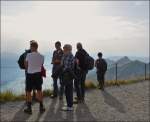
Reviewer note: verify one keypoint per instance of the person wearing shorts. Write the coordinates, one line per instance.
(33, 64)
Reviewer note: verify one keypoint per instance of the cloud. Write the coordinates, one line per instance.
(71, 23)
(140, 3)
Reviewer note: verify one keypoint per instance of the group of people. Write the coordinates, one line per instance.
(70, 70)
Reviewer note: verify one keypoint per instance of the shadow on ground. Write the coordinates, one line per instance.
(54, 113)
(81, 113)
(20, 116)
(113, 102)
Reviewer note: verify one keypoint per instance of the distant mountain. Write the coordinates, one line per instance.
(123, 61)
(110, 62)
(133, 58)
(130, 70)
(142, 59)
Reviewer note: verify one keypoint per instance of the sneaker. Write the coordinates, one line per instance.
(53, 96)
(28, 110)
(42, 109)
(65, 108)
(65, 104)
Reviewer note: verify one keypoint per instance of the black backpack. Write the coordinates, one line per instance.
(22, 58)
(101, 65)
(89, 62)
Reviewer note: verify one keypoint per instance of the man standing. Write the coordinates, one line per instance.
(101, 67)
(56, 61)
(22, 65)
(81, 72)
(33, 64)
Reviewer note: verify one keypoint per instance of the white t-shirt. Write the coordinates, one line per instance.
(35, 61)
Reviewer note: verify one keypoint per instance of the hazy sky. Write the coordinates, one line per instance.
(113, 27)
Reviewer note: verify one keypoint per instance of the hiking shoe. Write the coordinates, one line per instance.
(77, 101)
(65, 108)
(99, 87)
(82, 100)
(28, 110)
(60, 97)
(42, 109)
(76, 98)
(102, 88)
(53, 96)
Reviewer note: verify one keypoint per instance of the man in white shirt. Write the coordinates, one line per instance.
(33, 63)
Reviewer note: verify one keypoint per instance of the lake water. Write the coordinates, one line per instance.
(13, 79)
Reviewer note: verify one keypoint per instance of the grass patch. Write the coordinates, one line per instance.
(10, 96)
(93, 85)
(90, 85)
(47, 93)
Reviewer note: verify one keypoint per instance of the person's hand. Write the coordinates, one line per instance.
(57, 61)
(77, 61)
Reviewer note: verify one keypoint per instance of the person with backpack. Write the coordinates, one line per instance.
(21, 64)
(101, 66)
(68, 76)
(56, 70)
(33, 63)
(81, 69)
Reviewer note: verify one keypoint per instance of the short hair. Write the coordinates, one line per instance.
(31, 41)
(68, 47)
(58, 43)
(100, 54)
(79, 45)
(34, 44)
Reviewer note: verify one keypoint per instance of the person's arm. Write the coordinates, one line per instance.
(52, 62)
(43, 61)
(77, 57)
(96, 63)
(26, 62)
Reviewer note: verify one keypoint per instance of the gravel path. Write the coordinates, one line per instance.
(123, 103)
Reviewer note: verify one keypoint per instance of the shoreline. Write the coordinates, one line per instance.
(10, 96)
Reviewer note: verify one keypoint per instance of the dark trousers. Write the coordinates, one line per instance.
(80, 84)
(77, 88)
(83, 77)
(101, 79)
(69, 94)
(55, 84)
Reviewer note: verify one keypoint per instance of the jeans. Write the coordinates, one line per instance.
(69, 94)
(80, 84)
(55, 85)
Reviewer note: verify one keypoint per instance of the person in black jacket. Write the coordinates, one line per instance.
(101, 67)
(81, 72)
